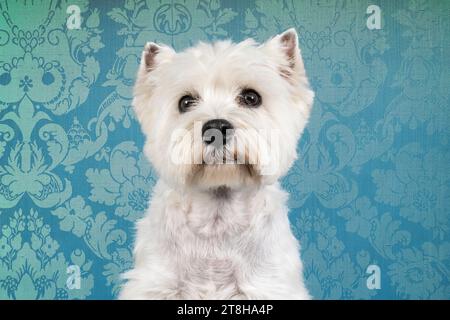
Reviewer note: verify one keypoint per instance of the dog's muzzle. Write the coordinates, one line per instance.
(217, 132)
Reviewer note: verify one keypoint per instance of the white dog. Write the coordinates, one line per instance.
(219, 229)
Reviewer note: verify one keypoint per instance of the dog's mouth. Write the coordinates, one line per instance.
(225, 156)
(232, 165)
(229, 175)
(224, 168)
(226, 160)
(251, 169)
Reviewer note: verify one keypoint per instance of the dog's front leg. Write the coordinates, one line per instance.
(147, 284)
(135, 291)
(267, 291)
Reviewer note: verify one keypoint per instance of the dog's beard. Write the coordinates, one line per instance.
(240, 161)
(225, 166)
(217, 156)
(234, 164)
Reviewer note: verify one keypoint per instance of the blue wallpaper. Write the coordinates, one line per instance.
(370, 189)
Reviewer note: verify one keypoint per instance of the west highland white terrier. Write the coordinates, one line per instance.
(222, 122)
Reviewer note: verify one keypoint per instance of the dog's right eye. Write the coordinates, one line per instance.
(250, 98)
(186, 102)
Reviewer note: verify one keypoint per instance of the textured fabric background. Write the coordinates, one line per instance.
(371, 186)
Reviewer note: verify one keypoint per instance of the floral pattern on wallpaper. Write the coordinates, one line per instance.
(370, 187)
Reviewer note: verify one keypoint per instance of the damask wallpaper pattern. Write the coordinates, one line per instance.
(371, 186)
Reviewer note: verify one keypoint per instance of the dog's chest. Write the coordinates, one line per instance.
(211, 277)
(217, 218)
(213, 258)
(215, 269)
(216, 246)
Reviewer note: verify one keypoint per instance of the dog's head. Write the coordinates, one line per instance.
(223, 114)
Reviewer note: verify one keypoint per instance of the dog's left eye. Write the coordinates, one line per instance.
(250, 98)
(185, 103)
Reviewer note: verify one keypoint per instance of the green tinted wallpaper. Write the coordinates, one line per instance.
(369, 194)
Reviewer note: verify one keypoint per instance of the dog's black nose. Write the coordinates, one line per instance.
(216, 129)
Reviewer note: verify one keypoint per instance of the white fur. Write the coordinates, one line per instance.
(219, 231)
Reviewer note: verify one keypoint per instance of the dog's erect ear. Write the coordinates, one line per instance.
(151, 49)
(284, 51)
(153, 55)
(289, 45)
(284, 48)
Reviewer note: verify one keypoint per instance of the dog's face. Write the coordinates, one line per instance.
(223, 114)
